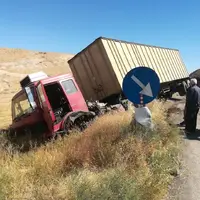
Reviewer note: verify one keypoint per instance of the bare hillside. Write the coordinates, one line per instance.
(16, 63)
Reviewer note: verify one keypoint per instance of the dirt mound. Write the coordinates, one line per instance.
(13, 60)
(17, 63)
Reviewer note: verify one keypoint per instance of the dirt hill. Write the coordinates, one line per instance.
(16, 63)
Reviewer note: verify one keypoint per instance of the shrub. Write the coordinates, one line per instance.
(110, 160)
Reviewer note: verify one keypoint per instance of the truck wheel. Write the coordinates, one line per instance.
(183, 89)
(81, 125)
(168, 95)
(67, 127)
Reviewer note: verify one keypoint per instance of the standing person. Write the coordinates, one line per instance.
(182, 124)
(192, 106)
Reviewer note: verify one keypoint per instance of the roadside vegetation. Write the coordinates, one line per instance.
(113, 159)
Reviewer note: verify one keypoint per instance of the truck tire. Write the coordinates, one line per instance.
(67, 126)
(183, 89)
(169, 95)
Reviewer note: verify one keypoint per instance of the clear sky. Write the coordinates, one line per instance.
(68, 26)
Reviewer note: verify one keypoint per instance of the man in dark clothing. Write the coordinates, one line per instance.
(187, 85)
(192, 106)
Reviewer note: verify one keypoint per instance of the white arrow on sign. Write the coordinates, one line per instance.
(146, 90)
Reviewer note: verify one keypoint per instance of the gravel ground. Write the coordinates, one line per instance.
(187, 185)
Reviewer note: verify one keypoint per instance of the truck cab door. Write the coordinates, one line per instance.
(74, 95)
(47, 112)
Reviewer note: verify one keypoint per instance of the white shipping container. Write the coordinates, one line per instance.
(99, 69)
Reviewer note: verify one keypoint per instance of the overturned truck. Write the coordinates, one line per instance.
(99, 69)
(55, 105)
(49, 106)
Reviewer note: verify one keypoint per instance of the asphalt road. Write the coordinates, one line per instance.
(187, 185)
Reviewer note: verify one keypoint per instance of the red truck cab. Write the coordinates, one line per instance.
(48, 104)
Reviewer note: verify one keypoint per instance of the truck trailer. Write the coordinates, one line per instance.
(99, 69)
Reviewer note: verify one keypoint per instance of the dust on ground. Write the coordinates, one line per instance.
(186, 185)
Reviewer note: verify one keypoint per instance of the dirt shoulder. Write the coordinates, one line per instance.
(187, 185)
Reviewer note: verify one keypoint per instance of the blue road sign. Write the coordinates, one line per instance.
(141, 85)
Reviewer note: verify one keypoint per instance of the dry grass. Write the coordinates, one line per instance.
(111, 160)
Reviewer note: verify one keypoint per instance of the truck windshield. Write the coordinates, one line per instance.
(24, 103)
